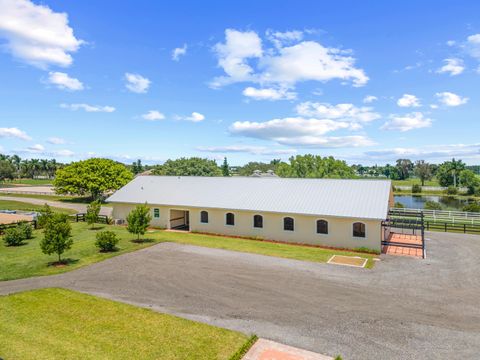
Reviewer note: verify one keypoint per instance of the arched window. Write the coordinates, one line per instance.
(230, 219)
(258, 221)
(288, 224)
(322, 227)
(359, 229)
(204, 217)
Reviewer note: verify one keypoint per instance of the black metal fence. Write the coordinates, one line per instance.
(449, 227)
(101, 219)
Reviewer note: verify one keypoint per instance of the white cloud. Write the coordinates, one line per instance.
(344, 112)
(438, 152)
(282, 65)
(309, 60)
(451, 42)
(369, 99)
(249, 149)
(473, 46)
(451, 99)
(408, 100)
(269, 94)
(88, 108)
(433, 106)
(137, 83)
(36, 34)
(233, 54)
(56, 140)
(280, 39)
(37, 148)
(153, 115)
(452, 66)
(415, 120)
(180, 51)
(299, 132)
(194, 117)
(64, 81)
(14, 132)
(64, 153)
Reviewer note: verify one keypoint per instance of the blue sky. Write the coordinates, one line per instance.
(368, 82)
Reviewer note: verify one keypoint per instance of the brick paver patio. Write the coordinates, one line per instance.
(270, 350)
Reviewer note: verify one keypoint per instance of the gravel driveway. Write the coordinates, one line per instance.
(402, 309)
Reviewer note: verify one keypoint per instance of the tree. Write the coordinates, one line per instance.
(447, 173)
(250, 167)
(225, 167)
(193, 166)
(57, 236)
(46, 214)
(314, 166)
(7, 170)
(423, 171)
(93, 210)
(404, 167)
(470, 181)
(93, 177)
(137, 167)
(138, 220)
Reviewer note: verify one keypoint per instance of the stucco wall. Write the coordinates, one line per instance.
(340, 229)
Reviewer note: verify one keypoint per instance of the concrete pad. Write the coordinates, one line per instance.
(270, 350)
(354, 261)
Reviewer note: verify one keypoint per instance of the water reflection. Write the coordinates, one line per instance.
(418, 201)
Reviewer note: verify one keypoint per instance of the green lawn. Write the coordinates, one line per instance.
(18, 205)
(289, 251)
(61, 198)
(28, 260)
(412, 181)
(61, 324)
(30, 182)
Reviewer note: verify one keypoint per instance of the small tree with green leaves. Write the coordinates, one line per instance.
(57, 236)
(138, 220)
(93, 210)
(45, 215)
(225, 167)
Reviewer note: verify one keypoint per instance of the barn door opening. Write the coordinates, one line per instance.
(180, 220)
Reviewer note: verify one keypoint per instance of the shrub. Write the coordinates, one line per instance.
(13, 236)
(26, 229)
(416, 189)
(398, 205)
(106, 241)
(473, 207)
(433, 205)
(451, 190)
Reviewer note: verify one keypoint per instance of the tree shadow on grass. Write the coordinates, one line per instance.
(114, 250)
(99, 227)
(63, 263)
(142, 241)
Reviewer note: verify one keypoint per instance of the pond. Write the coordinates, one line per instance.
(418, 201)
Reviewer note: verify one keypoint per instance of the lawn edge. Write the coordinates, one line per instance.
(245, 348)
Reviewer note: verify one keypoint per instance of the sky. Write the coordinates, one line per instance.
(367, 82)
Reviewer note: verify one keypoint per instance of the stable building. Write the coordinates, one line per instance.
(328, 212)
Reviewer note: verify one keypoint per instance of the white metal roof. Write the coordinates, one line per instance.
(367, 199)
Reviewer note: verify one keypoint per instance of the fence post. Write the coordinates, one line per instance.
(445, 227)
(464, 228)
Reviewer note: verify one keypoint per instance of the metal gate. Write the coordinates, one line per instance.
(401, 223)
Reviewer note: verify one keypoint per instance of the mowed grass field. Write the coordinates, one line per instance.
(60, 198)
(51, 324)
(18, 205)
(29, 182)
(28, 260)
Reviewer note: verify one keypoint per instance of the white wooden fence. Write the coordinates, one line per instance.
(444, 215)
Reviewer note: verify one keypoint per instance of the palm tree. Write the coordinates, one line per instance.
(455, 167)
